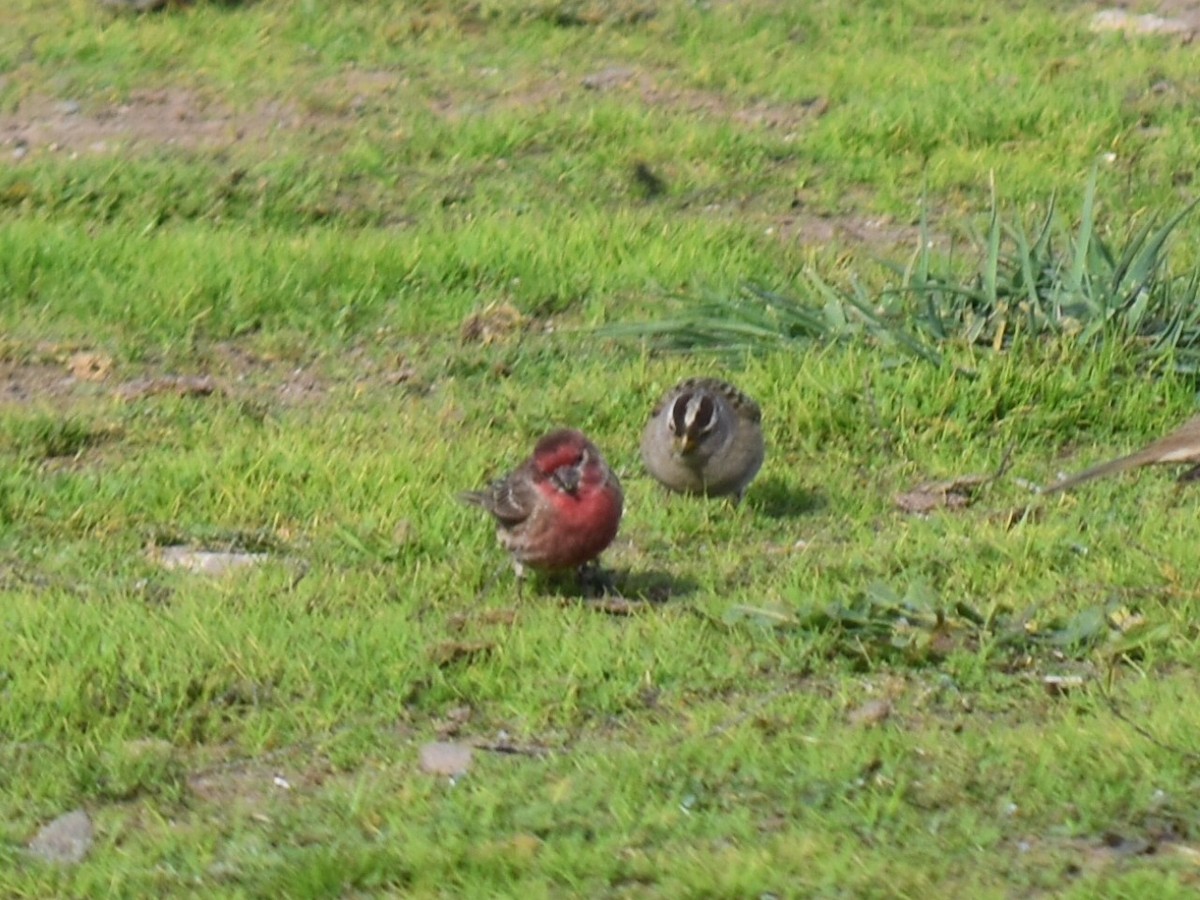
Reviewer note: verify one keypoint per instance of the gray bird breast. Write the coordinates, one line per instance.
(724, 462)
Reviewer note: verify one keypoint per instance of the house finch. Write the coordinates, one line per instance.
(559, 509)
(1180, 446)
(704, 437)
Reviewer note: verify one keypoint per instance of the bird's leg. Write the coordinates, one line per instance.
(519, 570)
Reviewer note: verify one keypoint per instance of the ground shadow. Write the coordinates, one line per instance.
(641, 587)
(778, 499)
(653, 585)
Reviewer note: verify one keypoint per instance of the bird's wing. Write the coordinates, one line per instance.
(511, 500)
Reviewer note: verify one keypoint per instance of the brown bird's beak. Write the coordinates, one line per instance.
(566, 479)
(686, 443)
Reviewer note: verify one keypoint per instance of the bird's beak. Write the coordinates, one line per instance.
(566, 478)
(686, 443)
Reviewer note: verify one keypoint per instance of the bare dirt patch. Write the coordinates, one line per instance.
(796, 226)
(652, 90)
(866, 231)
(1187, 11)
(51, 375)
(28, 382)
(252, 785)
(173, 118)
(154, 118)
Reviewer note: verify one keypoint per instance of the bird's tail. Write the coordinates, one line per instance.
(1109, 468)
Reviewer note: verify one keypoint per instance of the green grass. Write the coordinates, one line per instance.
(258, 733)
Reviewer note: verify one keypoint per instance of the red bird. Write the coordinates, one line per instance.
(559, 509)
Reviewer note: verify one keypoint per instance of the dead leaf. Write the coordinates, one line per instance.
(609, 79)
(403, 375)
(87, 366)
(180, 385)
(519, 849)
(490, 323)
(523, 846)
(453, 722)
(1058, 685)
(614, 606)
(870, 714)
(1126, 620)
(403, 532)
(947, 637)
(446, 758)
(956, 493)
(498, 616)
(460, 621)
(448, 652)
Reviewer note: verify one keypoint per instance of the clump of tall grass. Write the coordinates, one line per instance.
(1046, 282)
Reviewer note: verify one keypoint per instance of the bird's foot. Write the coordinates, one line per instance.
(595, 582)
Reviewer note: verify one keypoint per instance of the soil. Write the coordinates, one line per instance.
(147, 119)
(153, 119)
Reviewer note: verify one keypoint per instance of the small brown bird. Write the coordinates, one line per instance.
(559, 509)
(1180, 446)
(704, 437)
